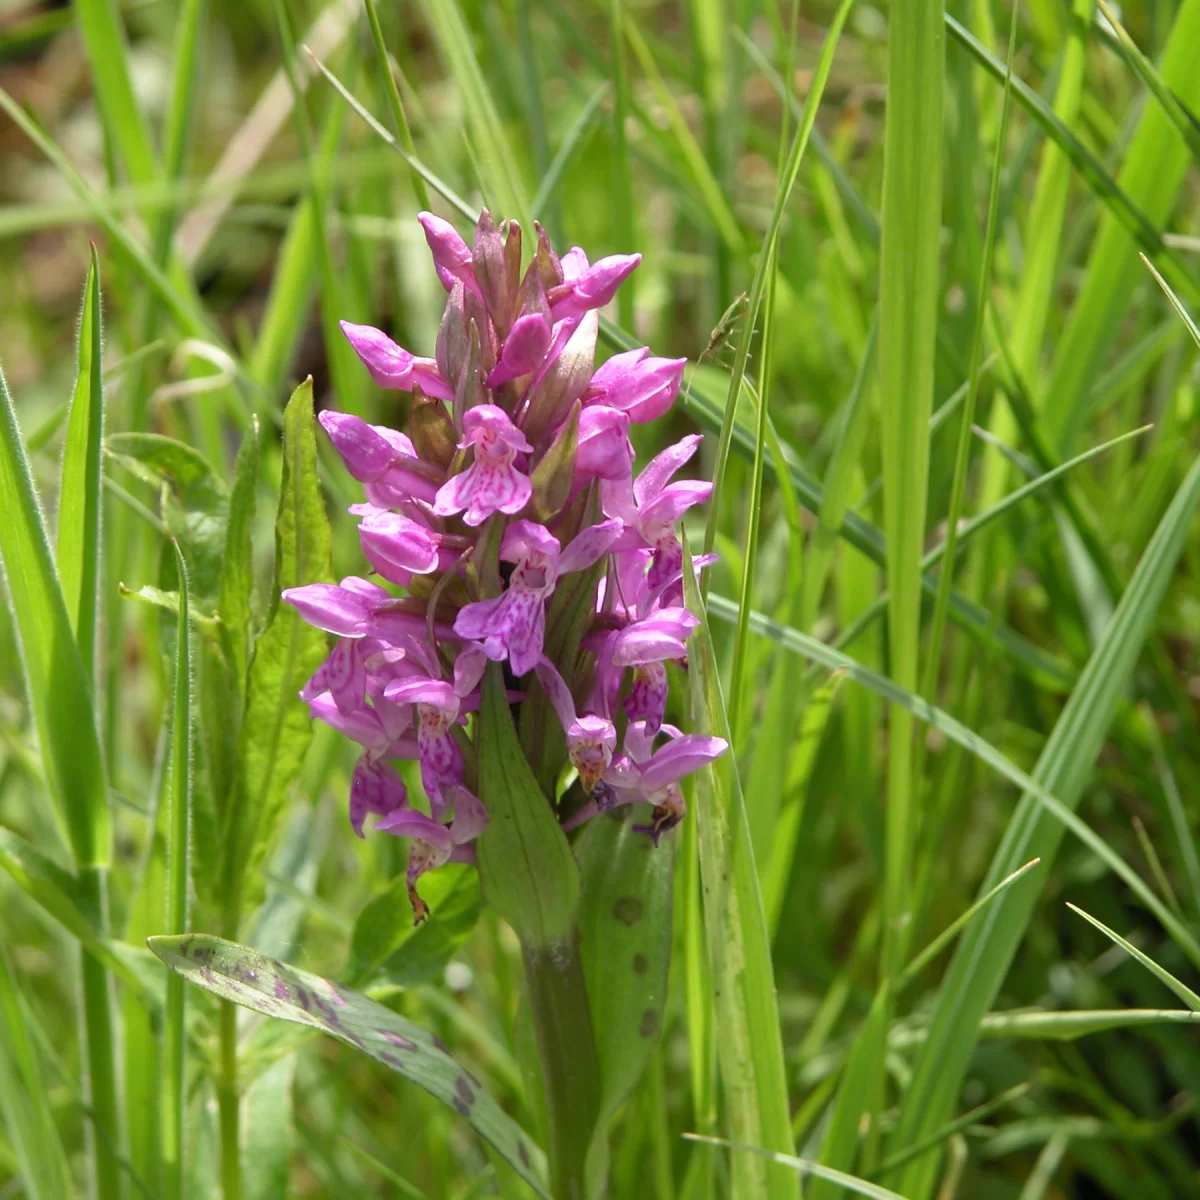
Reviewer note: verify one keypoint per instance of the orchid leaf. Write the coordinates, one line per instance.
(243, 976)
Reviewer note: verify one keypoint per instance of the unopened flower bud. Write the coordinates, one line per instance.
(431, 430)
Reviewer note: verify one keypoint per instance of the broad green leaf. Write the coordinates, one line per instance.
(985, 951)
(526, 867)
(275, 729)
(245, 977)
(43, 1171)
(386, 940)
(625, 916)
(77, 549)
(749, 1043)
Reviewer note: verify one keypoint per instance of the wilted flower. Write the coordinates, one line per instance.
(516, 473)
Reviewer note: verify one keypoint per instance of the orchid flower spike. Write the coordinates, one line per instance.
(515, 471)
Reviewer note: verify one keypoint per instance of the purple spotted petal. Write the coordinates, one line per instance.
(589, 545)
(374, 788)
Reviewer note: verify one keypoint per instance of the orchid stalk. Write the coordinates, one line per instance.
(519, 577)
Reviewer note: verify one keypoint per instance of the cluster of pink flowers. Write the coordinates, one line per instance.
(518, 451)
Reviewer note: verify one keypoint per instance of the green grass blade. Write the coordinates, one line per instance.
(624, 219)
(43, 1170)
(571, 144)
(908, 311)
(715, 204)
(962, 455)
(1153, 170)
(805, 1166)
(749, 1045)
(242, 976)
(758, 285)
(79, 498)
(349, 381)
(395, 104)
(1066, 763)
(1056, 812)
(443, 189)
(56, 679)
(503, 181)
(782, 840)
(943, 939)
(1164, 976)
(99, 23)
(974, 1117)
(1184, 122)
(174, 1092)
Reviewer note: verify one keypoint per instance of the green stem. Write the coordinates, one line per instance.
(559, 1005)
(99, 1048)
(228, 1101)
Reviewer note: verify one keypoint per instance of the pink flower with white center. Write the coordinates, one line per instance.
(645, 776)
(641, 386)
(492, 483)
(432, 844)
(591, 740)
(651, 507)
(438, 705)
(393, 367)
(513, 625)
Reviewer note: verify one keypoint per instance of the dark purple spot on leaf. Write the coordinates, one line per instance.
(628, 910)
(281, 989)
(439, 1044)
(462, 1109)
(388, 1057)
(639, 964)
(397, 1039)
(649, 1024)
(304, 1000)
(463, 1089)
(523, 1154)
